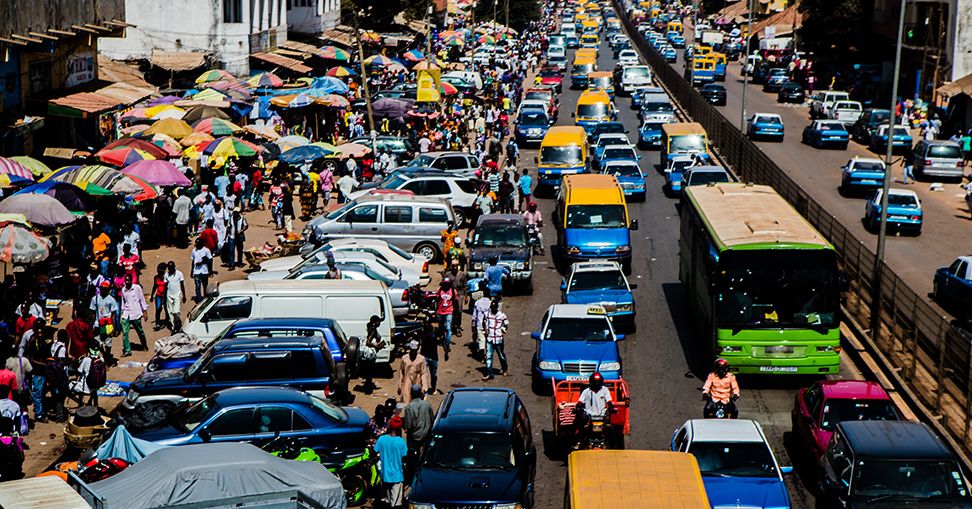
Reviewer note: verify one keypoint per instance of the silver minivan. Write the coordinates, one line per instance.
(938, 158)
(412, 223)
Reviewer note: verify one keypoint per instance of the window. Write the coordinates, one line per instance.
(467, 186)
(430, 215)
(302, 365)
(415, 186)
(226, 368)
(233, 422)
(840, 461)
(269, 366)
(436, 188)
(363, 214)
(230, 308)
(232, 11)
(678, 443)
(455, 162)
(398, 214)
(276, 419)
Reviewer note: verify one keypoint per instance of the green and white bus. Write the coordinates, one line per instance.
(761, 281)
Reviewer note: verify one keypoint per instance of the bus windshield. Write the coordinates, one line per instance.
(687, 143)
(592, 110)
(571, 154)
(777, 288)
(596, 216)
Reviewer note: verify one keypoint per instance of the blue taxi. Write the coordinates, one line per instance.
(602, 283)
(861, 174)
(615, 153)
(765, 126)
(630, 177)
(904, 212)
(574, 341)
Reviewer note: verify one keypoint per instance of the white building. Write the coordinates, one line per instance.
(228, 31)
(313, 16)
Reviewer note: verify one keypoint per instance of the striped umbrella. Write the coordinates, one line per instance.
(102, 176)
(36, 167)
(448, 88)
(331, 149)
(334, 101)
(426, 65)
(164, 111)
(378, 60)
(334, 53)
(159, 173)
(486, 39)
(173, 127)
(147, 192)
(413, 55)
(340, 71)
(123, 156)
(230, 146)
(214, 75)
(216, 127)
(12, 180)
(15, 168)
(210, 94)
(265, 80)
(263, 131)
(292, 101)
(167, 143)
(197, 138)
(156, 152)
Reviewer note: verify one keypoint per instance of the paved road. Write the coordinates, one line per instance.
(945, 234)
(660, 360)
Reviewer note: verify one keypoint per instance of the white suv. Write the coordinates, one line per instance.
(460, 191)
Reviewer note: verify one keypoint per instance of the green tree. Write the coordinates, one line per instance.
(832, 24)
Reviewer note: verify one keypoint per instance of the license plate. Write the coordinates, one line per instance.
(575, 378)
(778, 369)
(778, 349)
(869, 181)
(899, 218)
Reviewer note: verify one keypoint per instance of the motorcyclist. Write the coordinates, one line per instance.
(595, 400)
(720, 387)
(534, 221)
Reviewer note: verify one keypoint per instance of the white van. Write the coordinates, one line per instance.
(472, 77)
(350, 303)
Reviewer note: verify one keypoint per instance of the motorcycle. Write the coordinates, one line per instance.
(719, 410)
(422, 301)
(90, 468)
(358, 473)
(596, 435)
(533, 234)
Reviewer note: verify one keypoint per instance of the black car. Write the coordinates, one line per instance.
(504, 237)
(480, 453)
(791, 92)
(890, 464)
(868, 123)
(714, 93)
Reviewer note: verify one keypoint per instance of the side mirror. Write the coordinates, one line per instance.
(536, 160)
(619, 337)
(572, 115)
(786, 470)
(205, 435)
(633, 225)
(535, 335)
(563, 285)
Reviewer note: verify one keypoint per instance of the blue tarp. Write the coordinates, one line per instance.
(123, 445)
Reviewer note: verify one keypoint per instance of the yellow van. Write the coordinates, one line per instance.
(683, 138)
(586, 53)
(601, 80)
(674, 26)
(592, 221)
(563, 151)
(701, 51)
(579, 70)
(589, 40)
(593, 107)
(701, 70)
(633, 480)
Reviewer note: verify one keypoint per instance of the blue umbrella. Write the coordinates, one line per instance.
(303, 154)
(330, 85)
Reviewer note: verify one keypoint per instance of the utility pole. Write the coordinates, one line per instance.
(494, 16)
(883, 232)
(364, 77)
(749, 36)
(507, 9)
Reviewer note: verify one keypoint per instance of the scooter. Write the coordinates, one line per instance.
(533, 234)
(719, 410)
(358, 473)
(90, 468)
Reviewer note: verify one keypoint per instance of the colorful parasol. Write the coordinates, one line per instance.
(261, 130)
(265, 80)
(71, 196)
(340, 72)
(230, 146)
(18, 244)
(197, 138)
(486, 39)
(210, 94)
(39, 209)
(353, 150)
(332, 150)
(148, 192)
(167, 143)
(214, 75)
(156, 152)
(12, 180)
(378, 60)
(448, 88)
(334, 53)
(164, 111)
(216, 127)
(334, 101)
(176, 128)
(425, 65)
(123, 156)
(159, 173)
(288, 142)
(371, 37)
(413, 55)
(102, 176)
(13, 167)
(200, 112)
(306, 153)
(292, 101)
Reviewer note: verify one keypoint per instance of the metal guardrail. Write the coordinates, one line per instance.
(928, 357)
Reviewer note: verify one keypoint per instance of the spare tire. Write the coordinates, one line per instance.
(352, 356)
(339, 383)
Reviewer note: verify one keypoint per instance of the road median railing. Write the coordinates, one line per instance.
(929, 359)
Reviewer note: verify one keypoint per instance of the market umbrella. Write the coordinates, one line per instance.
(12, 181)
(135, 113)
(450, 34)
(165, 99)
(340, 71)
(371, 37)
(426, 65)
(390, 107)
(159, 173)
(270, 150)
(353, 150)
(102, 176)
(18, 244)
(197, 138)
(292, 101)
(334, 53)
(216, 127)
(333, 151)
(156, 152)
(230, 146)
(265, 80)
(200, 112)
(214, 75)
(454, 41)
(448, 88)
(36, 167)
(378, 60)
(69, 195)
(413, 55)
(395, 67)
(261, 130)
(173, 127)
(327, 85)
(486, 39)
(134, 130)
(39, 209)
(13, 167)
(303, 154)
(210, 94)
(164, 111)
(123, 156)
(334, 101)
(167, 143)
(147, 192)
(288, 142)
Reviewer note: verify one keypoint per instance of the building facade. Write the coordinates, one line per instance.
(228, 31)
(312, 17)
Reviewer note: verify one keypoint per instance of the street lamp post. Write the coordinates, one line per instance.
(883, 231)
(364, 78)
(745, 52)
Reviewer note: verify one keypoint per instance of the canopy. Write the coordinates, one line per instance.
(172, 147)
(390, 107)
(213, 472)
(230, 146)
(353, 150)
(264, 80)
(263, 131)
(173, 127)
(303, 154)
(15, 168)
(214, 75)
(216, 127)
(39, 209)
(103, 176)
(123, 156)
(155, 151)
(334, 53)
(329, 85)
(121, 444)
(159, 173)
(36, 167)
(292, 141)
(197, 138)
(20, 245)
(292, 101)
(340, 71)
(163, 111)
(200, 112)
(69, 195)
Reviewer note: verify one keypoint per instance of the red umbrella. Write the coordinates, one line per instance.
(151, 148)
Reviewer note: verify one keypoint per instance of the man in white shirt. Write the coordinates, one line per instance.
(175, 294)
(596, 398)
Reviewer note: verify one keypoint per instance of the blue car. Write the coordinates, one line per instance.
(531, 126)
(606, 140)
(650, 133)
(677, 40)
(861, 174)
(574, 341)
(901, 140)
(257, 415)
(669, 54)
(616, 153)
(765, 126)
(952, 286)
(675, 171)
(904, 212)
(630, 177)
(737, 464)
(638, 96)
(826, 134)
(602, 283)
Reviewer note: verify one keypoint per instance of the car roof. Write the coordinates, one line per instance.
(903, 192)
(708, 169)
(773, 115)
(499, 218)
(438, 153)
(253, 343)
(282, 323)
(255, 395)
(619, 145)
(865, 160)
(620, 162)
(572, 311)
(437, 173)
(853, 389)
(371, 198)
(610, 136)
(595, 266)
(893, 440)
(726, 430)
(477, 409)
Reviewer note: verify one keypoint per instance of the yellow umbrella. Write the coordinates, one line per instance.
(169, 110)
(173, 127)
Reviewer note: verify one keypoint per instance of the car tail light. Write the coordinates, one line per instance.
(928, 162)
(327, 391)
(960, 164)
(425, 266)
(405, 295)
(915, 218)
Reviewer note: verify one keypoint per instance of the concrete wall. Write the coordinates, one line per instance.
(961, 48)
(22, 16)
(197, 25)
(313, 16)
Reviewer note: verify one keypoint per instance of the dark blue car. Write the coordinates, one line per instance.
(531, 126)
(479, 453)
(826, 134)
(257, 415)
(901, 140)
(630, 177)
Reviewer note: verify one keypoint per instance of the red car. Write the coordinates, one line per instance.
(819, 408)
(553, 77)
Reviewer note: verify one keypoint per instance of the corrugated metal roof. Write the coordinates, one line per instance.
(120, 72)
(301, 47)
(103, 99)
(282, 61)
(178, 60)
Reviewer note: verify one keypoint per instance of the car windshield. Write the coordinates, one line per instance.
(340, 211)
(848, 106)
(198, 310)
(768, 120)
(619, 153)
(549, 73)
(836, 411)
(868, 166)
(596, 216)
(601, 81)
(470, 451)
(947, 151)
(571, 154)
(623, 170)
(536, 96)
(507, 235)
(334, 412)
(371, 274)
(687, 143)
(792, 87)
(583, 68)
(422, 161)
(777, 289)
(898, 131)
(908, 479)
(533, 117)
(832, 126)
(579, 329)
(654, 107)
(394, 182)
(902, 200)
(190, 417)
(611, 139)
(597, 280)
(734, 459)
(592, 110)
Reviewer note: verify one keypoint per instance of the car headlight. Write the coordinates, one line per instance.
(478, 266)
(610, 366)
(622, 249)
(518, 266)
(625, 307)
(572, 250)
(132, 396)
(419, 505)
(507, 506)
(549, 365)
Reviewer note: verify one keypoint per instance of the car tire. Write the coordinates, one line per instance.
(936, 293)
(428, 250)
(461, 214)
(352, 356)
(527, 288)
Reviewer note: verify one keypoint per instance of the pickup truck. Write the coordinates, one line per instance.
(952, 286)
(846, 112)
(822, 101)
